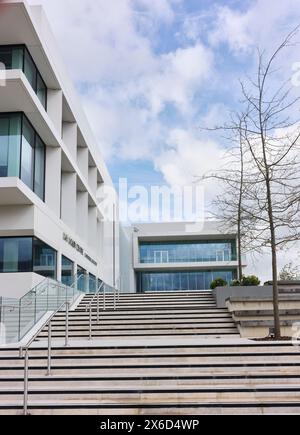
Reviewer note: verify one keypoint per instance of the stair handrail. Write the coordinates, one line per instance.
(24, 349)
(90, 306)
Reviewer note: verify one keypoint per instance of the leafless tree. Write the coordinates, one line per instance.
(272, 134)
(228, 206)
(264, 194)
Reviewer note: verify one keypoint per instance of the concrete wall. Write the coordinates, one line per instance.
(12, 284)
(221, 294)
(71, 215)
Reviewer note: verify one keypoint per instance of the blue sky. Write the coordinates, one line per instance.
(150, 73)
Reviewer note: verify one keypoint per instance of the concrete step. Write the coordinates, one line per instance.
(46, 383)
(202, 396)
(155, 360)
(163, 333)
(180, 350)
(74, 326)
(157, 371)
(158, 409)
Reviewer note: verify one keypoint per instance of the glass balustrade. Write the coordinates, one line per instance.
(18, 317)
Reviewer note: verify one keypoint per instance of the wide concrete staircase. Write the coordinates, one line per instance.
(158, 354)
(146, 315)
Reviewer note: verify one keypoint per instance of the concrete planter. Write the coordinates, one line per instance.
(221, 294)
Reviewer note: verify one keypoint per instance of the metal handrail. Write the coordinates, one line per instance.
(25, 349)
(90, 309)
(116, 297)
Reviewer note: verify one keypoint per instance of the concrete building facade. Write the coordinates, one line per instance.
(179, 256)
(52, 176)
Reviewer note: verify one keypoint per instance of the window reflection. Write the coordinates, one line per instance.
(67, 271)
(185, 252)
(18, 57)
(22, 152)
(44, 259)
(172, 281)
(15, 254)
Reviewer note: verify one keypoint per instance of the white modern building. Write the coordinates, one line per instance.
(177, 256)
(52, 176)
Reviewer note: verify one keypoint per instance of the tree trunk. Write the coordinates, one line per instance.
(275, 289)
(240, 262)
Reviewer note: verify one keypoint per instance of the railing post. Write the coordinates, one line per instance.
(26, 381)
(67, 324)
(90, 326)
(47, 294)
(98, 307)
(19, 326)
(115, 299)
(104, 297)
(49, 348)
(35, 306)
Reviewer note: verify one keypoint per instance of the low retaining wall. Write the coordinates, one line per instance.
(221, 294)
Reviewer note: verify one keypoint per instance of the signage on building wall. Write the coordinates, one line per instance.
(78, 248)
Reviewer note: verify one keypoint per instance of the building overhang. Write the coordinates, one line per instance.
(16, 95)
(168, 267)
(15, 192)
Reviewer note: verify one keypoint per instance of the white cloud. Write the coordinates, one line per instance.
(263, 24)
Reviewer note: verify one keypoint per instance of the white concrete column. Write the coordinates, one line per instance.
(82, 215)
(54, 108)
(59, 255)
(69, 135)
(93, 227)
(68, 199)
(93, 179)
(83, 161)
(53, 179)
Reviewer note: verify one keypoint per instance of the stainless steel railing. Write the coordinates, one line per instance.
(24, 350)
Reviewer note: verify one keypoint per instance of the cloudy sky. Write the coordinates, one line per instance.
(151, 72)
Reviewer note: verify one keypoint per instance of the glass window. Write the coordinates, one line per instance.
(92, 283)
(30, 70)
(27, 162)
(12, 57)
(39, 168)
(172, 281)
(67, 271)
(10, 143)
(41, 90)
(44, 259)
(81, 279)
(22, 152)
(18, 57)
(15, 254)
(181, 252)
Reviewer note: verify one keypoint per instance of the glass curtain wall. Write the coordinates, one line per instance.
(15, 254)
(186, 252)
(184, 280)
(44, 259)
(81, 279)
(22, 152)
(18, 57)
(27, 254)
(67, 271)
(92, 283)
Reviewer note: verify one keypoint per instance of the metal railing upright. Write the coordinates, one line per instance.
(24, 350)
